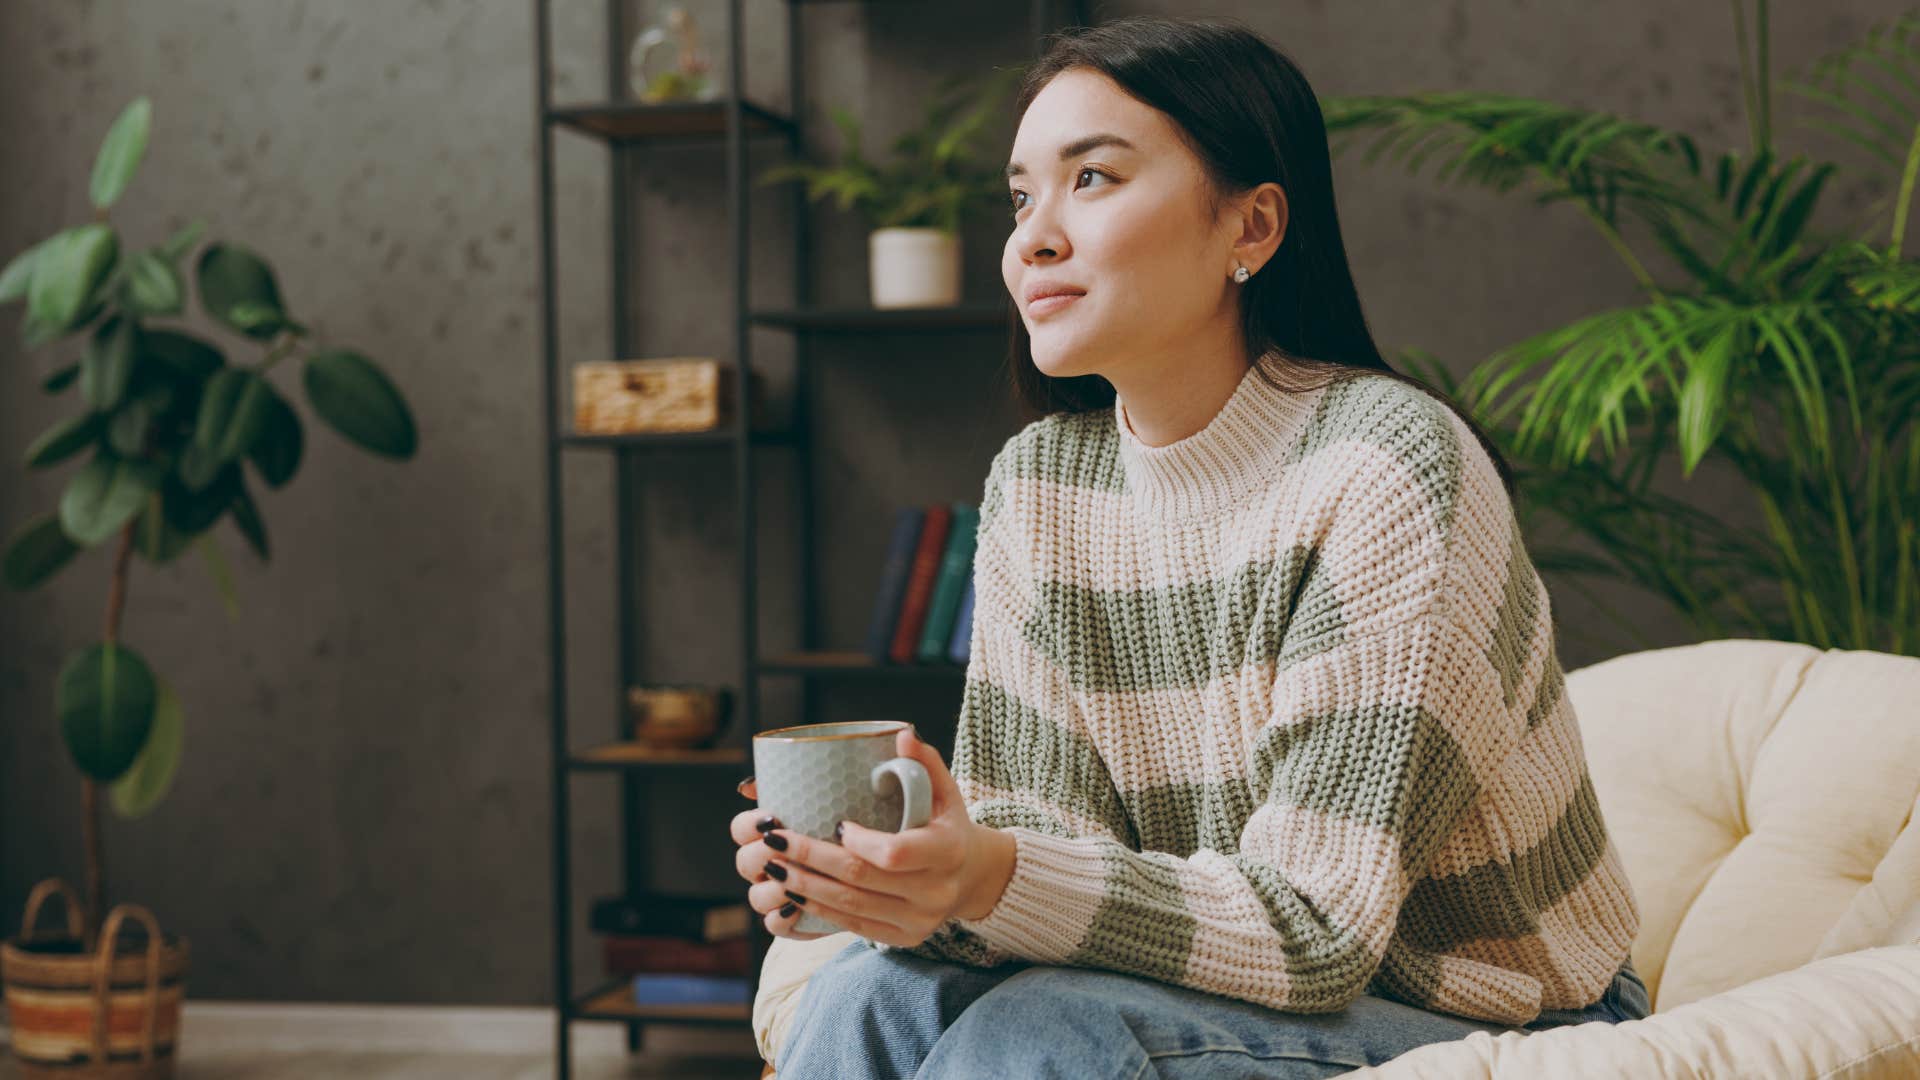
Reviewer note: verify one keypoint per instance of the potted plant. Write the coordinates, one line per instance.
(1784, 352)
(916, 203)
(168, 428)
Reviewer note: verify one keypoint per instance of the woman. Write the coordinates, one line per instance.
(1264, 765)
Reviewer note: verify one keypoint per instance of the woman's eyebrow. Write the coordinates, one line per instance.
(1075, 148)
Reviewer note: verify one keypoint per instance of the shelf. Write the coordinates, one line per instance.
(627, 755)
(971, 316)
(631, 130)
(615, 1002)
(855, 665)
(633, 121)
(667, 440)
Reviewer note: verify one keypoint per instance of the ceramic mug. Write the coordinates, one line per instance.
(813, 777)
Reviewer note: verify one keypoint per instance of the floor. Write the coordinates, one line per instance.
(250, 1041)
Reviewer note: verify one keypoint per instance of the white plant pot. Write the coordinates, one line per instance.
(918, 267)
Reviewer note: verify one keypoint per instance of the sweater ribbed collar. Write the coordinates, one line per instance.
(1239, 452)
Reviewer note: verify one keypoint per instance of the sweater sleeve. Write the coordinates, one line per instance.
(1012, 770)
(1390, 703)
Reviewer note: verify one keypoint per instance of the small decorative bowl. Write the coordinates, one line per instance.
(681, 716)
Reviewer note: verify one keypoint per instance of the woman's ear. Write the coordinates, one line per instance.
(1263, 225)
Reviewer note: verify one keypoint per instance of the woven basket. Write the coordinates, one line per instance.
(672, 394)
(111, 1013)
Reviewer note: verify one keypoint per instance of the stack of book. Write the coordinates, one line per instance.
(677, 950)
(923, 610)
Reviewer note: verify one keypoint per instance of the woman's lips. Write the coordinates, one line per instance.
(1046, 305)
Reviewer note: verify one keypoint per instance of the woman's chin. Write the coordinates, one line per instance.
(1060, 363)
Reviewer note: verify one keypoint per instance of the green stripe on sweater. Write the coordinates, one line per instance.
(1312, 763)
(1404, 420)
(1406, 975)
(1031, 752)
(1324, 960)
(1177, 638)
(1081, 449)
(1182, 818)
(1494, 900)
(1517, 620)
(1141, 925)
(1547, 697)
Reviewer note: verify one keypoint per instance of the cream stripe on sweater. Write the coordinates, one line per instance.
(1274, 712)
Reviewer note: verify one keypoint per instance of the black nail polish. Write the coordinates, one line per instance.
(837, 830)
(776, 871)
(796, 897)
(776, 841)
(786, 911)
(768, 822)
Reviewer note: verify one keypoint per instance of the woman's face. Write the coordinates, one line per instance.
(1123, 223)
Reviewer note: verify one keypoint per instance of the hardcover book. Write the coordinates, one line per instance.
(926, 566)
(631, 954)
(960, 648)
(907, 522)
(952, 581)
(661, 989)
(693, 918)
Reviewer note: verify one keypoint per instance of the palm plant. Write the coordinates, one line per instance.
(1783, 352)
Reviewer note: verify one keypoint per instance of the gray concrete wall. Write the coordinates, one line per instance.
(362, 812)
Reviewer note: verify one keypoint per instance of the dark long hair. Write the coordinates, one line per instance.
(1247, 113)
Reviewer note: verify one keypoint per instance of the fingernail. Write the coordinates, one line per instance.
(768, 822)
(741, 787)
(786, 911)
(838, 830)
(778, 872)
(776, 841)
(796, 897)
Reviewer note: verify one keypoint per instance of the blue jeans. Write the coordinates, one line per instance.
(873, 1013)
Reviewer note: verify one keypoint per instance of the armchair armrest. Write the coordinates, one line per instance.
(783, 974)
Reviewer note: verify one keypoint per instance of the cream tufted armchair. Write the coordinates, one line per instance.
(1763, 797)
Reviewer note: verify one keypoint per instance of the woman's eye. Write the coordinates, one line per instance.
(1013, 197)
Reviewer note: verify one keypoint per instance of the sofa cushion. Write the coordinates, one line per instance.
(1761, 795)
(1849, 1017)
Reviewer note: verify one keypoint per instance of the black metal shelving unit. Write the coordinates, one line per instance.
(627, 127)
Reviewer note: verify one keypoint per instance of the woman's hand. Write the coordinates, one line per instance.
(895, 888)
(780, 910)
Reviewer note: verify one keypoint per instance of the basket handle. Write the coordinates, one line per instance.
(39, 896)
(102, 972)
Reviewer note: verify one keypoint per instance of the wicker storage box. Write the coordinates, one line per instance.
(681, 393)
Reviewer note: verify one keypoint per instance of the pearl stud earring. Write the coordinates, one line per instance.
(1241, 275)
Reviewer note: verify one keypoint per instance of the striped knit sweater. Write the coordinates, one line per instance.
(1274, 712)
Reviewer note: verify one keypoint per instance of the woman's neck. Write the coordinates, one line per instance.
(1163, 405)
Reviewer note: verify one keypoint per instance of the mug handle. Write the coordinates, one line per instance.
(916, 788)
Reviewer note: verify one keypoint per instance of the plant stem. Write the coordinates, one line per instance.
(1849, 562)
(90, 839)
(1906, 194)
(1746, 75)
(1763, 78)
(275, 354)
(1619, 245)
(89, 789)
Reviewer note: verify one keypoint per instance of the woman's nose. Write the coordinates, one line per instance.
(1039, 236)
